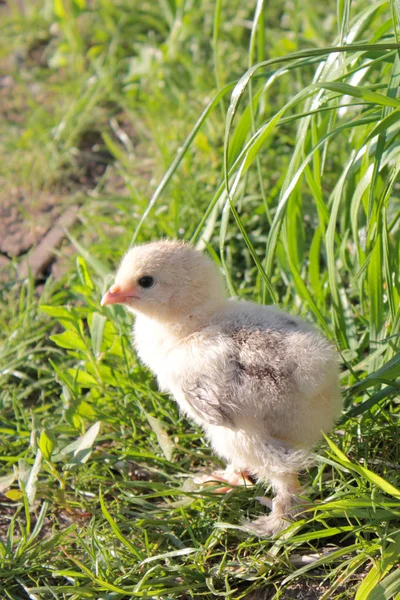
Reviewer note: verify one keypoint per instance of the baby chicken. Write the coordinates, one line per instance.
(261, 383)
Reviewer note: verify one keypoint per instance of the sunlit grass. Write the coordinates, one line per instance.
(268, 137)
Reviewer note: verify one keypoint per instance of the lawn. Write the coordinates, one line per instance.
(268, 135)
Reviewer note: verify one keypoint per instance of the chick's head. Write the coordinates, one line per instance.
(167, 280)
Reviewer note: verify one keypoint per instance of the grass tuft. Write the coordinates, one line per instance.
(269, 136)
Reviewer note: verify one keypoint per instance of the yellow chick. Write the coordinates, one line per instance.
(261, 383)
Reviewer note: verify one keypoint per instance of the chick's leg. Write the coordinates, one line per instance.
(285, 506)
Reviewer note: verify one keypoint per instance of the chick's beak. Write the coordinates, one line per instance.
(118, 295)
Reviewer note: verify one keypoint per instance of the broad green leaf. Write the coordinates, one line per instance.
(14, 495)
(69, 339)
(46, 444)
(58, 312)
(85, 410)
(107, 374)
(84, 273)
(96, 332)
(67, 317)
(82, 378)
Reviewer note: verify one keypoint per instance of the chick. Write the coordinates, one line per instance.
(261, 383)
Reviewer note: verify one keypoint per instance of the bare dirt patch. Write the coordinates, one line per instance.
(25, 218)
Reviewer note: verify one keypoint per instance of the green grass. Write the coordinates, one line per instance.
(268, 135)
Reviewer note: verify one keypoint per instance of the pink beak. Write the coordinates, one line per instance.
(117, 295)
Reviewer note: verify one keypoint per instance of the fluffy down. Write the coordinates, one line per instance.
(261, 383)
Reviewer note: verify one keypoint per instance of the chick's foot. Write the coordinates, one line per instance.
(285, 508)
(230, 476)
(278, 520)
(267, 526)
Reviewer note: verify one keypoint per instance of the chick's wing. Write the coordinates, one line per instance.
(237, 373)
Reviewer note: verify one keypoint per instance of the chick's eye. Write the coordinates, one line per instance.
(146, 281)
